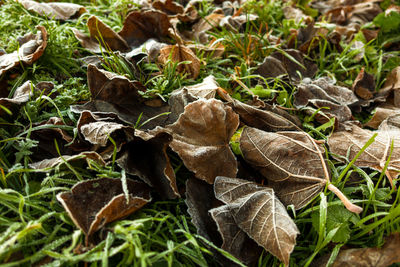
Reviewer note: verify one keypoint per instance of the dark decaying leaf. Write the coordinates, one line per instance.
(78, 159)
(93, 203)
(179, 53)
(60, 11)
(382, 112)
(352, 138)
(293, 164)
(140, 26)
(371, 257)
(264, 117)
(393, 84)
(31, 48)
(324, 93)
(279, 64)
(235, 240)
(201, 138)
(117, 94)
(364, 85)
(176, 10)
(259, 213)
(146, 157)
(200, 199)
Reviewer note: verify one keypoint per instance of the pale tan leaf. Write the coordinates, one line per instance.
(60, 11)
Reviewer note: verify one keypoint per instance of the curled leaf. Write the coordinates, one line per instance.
(93, 203)
(83, 157)
(60, 11)
(31, 49)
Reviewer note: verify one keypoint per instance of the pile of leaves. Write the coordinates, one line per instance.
(203, 133)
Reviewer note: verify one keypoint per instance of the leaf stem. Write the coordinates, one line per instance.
(346, 202)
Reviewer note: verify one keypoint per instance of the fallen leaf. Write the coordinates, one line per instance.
(364, 85)
(260, 214)
(212, 50)
(21, 95)
(178, 100)
(84, 157)
(92, 204)
(179, 53)
(324, 93)
(352, 138)
(293, 164)
(279, 64)
(200, 199)
(31, 48)
(60, 11)
(206, 89)
(140, 26)
(117, 94)
(146, 157)
(393, 84)
(205, 24)
(387, 255)
(201, 138)
(296, 14)
(266, 118)
(308, 38)
(176, 10)
(234, 23)
(382, 113)
(235, 240)
(105, 36)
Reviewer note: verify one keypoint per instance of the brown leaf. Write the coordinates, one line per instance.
(92, 204)
(178, 53)
(117, 94)
(60, 11)
(373, 257)
(293, 164)
(80, 159)
(176, 10)
(235, 240)
(105, 36)
(364, 85)
(146, 157)
(201, 138)
(178, 100)
(307, 39)
(31, 48)
(382, 113)
(21, 96)
(206, 24)
(200, 199)
(266, 118)
(352, 138)
(324, 93)
(278, 64)
(206, 89)
(393, 84)
(140, 26)
(260, 214)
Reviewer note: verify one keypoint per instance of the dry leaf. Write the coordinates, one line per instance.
(92, 204)
(178, 100)
(278, 64)
(371, 257)
(258, 212)
(83, 157)
(117, 94)
(178, 53)
(146, 157)
(21, 96)
(267, 119)
(31, 48)
(323, 93)
(201, 138)
(235, 240)
(382, 113)
(140, 26)
(293, 164)
(105, 36)
(364, 85)
(352, 138)
(176, 10)
(205, 89)
(60, 11)
(393, 84)
(206, 24)
(200, 199)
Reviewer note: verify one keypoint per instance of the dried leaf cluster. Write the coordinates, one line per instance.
(242, 213)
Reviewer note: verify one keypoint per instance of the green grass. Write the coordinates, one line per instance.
(34, 228)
